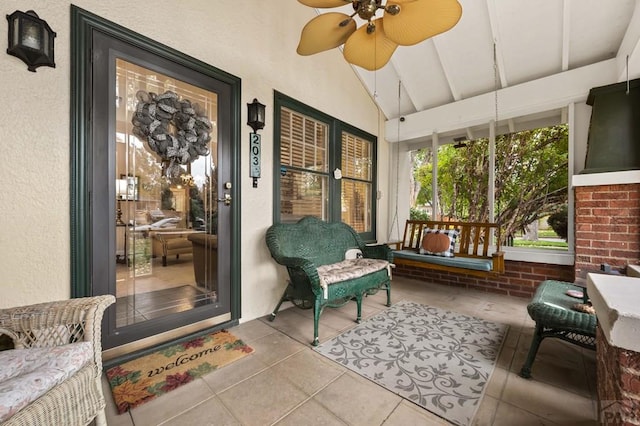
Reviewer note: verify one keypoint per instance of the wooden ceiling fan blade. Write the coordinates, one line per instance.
(324, 32)
(324, 3)
(369, 51)
(420, 19)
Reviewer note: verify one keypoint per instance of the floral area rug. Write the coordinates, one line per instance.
(143, 379)
(438, 359)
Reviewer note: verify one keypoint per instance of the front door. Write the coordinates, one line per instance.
(162, 186)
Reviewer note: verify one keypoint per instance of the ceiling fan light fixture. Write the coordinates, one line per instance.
(460, 142)
(393, 9)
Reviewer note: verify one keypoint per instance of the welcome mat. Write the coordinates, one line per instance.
(143, 379)
(438, 359)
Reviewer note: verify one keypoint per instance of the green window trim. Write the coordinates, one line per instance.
(336, 131)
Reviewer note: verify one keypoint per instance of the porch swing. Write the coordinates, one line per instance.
(450, 246)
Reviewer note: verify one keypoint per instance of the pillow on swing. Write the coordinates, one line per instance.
(438, 242)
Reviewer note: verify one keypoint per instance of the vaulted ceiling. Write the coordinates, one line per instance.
(499, 44)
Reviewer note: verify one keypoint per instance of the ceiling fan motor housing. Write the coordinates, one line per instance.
(366, 9)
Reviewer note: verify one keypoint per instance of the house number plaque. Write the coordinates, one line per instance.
(254, 157)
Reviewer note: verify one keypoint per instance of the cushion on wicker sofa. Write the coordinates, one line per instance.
(27, 374)
(349, 269)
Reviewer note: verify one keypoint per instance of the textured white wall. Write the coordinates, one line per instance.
(253, 40)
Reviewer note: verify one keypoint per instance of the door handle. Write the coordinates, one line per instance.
(226, 199)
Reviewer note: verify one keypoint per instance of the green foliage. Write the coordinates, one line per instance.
(416, 214)
(531, 170)
(197, 204)
(541, 244)
(559, 221)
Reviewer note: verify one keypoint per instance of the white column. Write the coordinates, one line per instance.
(571, 196)
(492, 170)
(434, 176)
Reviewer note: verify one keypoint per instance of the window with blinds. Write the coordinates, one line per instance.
(356, 182)
(304, 162)
(309, 148)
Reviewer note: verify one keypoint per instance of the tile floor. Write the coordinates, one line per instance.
(284, 382)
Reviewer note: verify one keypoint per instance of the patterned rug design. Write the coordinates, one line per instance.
(143, 379)
(438, 359)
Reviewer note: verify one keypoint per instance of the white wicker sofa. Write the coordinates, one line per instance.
(52, 376)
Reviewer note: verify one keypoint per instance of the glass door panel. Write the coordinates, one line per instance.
(166, 218)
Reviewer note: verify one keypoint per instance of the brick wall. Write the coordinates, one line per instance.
(607, 227)
(521, 278)
(618, 383)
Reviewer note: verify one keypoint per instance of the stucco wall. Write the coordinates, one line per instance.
(254, 43)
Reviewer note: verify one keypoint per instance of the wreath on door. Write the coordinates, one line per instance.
(176, 131)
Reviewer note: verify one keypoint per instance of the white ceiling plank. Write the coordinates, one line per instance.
(447, 74)
(533, 39)
(532, 97)
(495, 31)
(566, 33)
(630, 47)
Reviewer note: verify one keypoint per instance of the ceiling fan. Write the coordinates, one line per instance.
(404, 22)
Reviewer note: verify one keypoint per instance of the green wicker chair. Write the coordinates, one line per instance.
(551, 309)
(311, 243)
(79, 399)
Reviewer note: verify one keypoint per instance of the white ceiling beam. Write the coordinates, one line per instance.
(401, 84)
(512, 125)
(495, 32)
(630, 47)
(445, 70)
(545, 94)
(470, 134)
(566, 31)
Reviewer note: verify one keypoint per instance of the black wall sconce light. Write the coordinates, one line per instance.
(255, 119)
(31, 39)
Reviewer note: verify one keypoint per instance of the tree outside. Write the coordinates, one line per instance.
(531, 179)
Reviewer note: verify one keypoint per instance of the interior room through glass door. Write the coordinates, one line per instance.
(166, 184)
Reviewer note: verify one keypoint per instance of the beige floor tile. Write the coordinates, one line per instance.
(409, 414)
(275, 347)
(505, 358)
(251, 330)
(513, 337)
(113, 418)
(589, 358)
(236, 372)
(262, 399)
(308, 370)
(210, 412)
(357, 401)
(497, 382)
(285, 381)
(486, 412)
(547, 401)
(311, 413)
(509, 415)
(300, 328)
(171, 404)
(557, 363)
